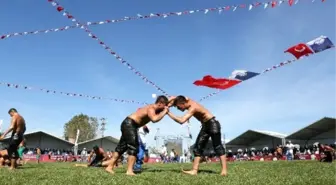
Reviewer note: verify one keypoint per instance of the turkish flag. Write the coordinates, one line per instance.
(218, 83)
(299, 50)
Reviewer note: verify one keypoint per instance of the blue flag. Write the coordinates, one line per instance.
(320, 44)
(243, 75)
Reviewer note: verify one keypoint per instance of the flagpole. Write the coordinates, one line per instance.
(76, 143)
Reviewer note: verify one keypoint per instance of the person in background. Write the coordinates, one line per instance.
(290, 150)
(38, 155)
(84, 155)
(328, 152)
(100, 156)
(143, 131)
(21, 149)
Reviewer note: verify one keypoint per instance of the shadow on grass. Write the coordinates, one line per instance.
(177, 170)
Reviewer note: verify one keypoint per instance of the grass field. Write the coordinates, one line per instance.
(242, 173)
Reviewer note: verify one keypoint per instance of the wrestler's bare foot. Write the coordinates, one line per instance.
(223, 173)
(190, 172)
(130, 173)
(110, 170)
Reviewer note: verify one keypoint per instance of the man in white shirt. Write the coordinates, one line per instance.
(164, 153)
(290, 150)
(172, 155)
(143, 131)
(84, 155)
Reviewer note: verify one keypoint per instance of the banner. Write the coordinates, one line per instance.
(317, 45)
(233, 8)
(16, 86)
(69, 16)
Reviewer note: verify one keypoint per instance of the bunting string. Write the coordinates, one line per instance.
(265, 5)
(277, 66)
(69, 16)
(16, 86)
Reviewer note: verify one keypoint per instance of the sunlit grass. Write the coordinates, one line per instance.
(243, 173)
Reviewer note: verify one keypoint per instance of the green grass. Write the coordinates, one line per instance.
(242, 173)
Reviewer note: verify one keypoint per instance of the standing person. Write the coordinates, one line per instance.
(129, 128)
(21, 149)
(18, 128)
(142, 148)
(38, 154)
(210, 128)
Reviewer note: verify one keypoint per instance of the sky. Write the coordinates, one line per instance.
(172, 52)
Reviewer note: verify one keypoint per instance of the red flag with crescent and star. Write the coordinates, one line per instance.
(299, 50)
(217, 83)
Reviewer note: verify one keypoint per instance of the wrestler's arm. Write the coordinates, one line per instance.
(104, 154)
(183, 119)
(90, 155)
(171, 101)
(156, 117)
(11, 127)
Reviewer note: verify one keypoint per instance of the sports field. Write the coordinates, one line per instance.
(243, 173)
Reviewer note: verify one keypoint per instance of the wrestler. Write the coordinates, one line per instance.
(129, 128)
(3, 158)
(21, 149)
(100, 156)
(328, 152)
(18, 128)
(210, 128)
(38, 155)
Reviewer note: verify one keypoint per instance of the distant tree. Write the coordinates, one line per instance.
(88, 127)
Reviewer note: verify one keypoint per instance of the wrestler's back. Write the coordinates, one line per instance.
(141, 115)
(19, 125)
(201, 114)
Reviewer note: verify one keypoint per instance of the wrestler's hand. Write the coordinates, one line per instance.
(166, 109)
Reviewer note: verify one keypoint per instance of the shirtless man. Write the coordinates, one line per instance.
(129, 129)
(98, 160)
(21, 149)
(328, 152)
(3, 158)
(210, 128)
(18, 128)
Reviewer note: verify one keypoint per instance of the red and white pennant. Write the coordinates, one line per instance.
(70, 94)
(251, 6)
(59, 8)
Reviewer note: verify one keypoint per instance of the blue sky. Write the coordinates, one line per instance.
(173, 52)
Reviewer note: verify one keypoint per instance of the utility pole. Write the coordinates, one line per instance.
(102, 129)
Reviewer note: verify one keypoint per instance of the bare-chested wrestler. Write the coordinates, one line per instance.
(129, 129)
(18, 128)
(100, 156)
(210, 128)
(4, 161)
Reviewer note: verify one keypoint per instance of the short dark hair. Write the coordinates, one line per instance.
(12, 110)
(161, 99)
(180, 99)
(95, 148)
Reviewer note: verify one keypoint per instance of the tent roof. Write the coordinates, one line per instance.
(251, 136)
(110, 138)
(44, 133)
(319, 127)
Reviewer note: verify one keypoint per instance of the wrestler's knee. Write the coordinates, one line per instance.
(219, 149)
(197, 152)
